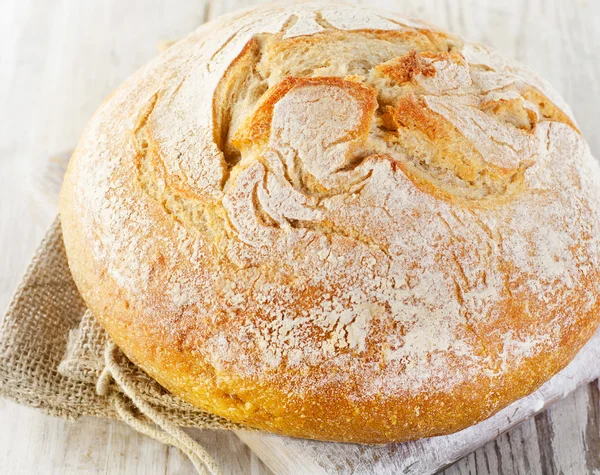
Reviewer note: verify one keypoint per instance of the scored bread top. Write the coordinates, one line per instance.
(335, 223)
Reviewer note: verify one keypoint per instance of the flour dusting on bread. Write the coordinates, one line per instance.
(327, 201)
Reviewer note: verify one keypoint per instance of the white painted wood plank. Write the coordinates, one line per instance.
(516, 452)
(221, 7)
(573, 428)
(61, 58)
(50, 446)
(564, 439)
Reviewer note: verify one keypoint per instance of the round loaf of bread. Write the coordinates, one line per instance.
(328, 222)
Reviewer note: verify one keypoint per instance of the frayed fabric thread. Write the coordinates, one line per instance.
(160, 428)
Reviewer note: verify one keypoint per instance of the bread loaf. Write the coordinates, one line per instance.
(329, 222)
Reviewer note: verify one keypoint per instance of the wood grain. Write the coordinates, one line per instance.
(61, 57)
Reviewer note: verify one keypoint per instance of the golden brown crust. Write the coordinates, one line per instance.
(328, 223)
(257, 129)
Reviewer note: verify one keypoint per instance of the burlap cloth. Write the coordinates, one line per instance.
(55, 356)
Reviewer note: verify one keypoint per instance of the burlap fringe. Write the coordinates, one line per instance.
(162, 430)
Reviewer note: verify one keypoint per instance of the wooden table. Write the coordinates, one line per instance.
(60, 58)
